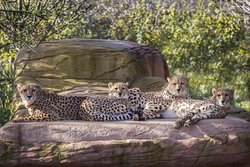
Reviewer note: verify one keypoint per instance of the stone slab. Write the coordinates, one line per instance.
(221, 142)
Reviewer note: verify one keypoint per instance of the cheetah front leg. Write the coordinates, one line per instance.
(214, 114)
(181, 121)
(152, 110)
(200, 108)
(37, 117)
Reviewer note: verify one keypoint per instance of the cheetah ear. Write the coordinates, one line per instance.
(19, 86)
(126, 84)
(214, 91)
(38, 86)
(168, 79)
(231, 90)
(187, 80)
(110, 85)
(165, 86)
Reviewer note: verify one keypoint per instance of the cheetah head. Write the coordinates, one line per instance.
(177, 86)
(118, 90)
(223, 97)
(28, 93)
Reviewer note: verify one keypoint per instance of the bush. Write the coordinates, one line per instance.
(6, 89)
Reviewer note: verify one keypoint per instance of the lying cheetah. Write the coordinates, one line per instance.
(177, 87)
(216, 108)
(47, 106)
(191, 110)
(120, 90)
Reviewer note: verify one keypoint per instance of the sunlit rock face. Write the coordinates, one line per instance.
(219, 142)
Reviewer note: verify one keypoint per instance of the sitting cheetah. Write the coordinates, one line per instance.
(53, 107)
(177, 87)
(191, 110)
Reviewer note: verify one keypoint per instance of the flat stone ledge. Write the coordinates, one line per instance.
(221, 142)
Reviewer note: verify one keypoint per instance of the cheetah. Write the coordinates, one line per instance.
(49, 106)
(120, 90)
(190, 111)
(177, 87)
(216, 108)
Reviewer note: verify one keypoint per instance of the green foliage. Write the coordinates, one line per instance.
(28, 22)
(6, 81)
(201, 40)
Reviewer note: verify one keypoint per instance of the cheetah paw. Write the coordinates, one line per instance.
(14, 120)
(177, 125)
(17, 119)
(188, 123)
(136, 117)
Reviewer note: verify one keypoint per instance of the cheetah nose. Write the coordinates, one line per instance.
(119, 93)
(178, 90)
(222, 101)
(29, 97)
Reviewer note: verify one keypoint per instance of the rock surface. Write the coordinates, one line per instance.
(222, 142)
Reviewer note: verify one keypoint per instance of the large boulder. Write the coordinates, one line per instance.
(211, 143)
(90, 64)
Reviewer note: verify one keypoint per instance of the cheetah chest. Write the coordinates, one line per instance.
(177, 110)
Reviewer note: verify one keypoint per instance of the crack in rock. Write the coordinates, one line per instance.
(116, 69)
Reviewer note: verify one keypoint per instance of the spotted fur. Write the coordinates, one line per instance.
(177, 87)
(120, 90)
(216, 108)
(47, 106)
(106, 109)
(190, 111)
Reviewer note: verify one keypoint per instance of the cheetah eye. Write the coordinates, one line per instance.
(182, 83)
(32, 90)
(174, 83)
(226, 94)
(123, 88)
(25, 90)
(116, 88)
(218, 95)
